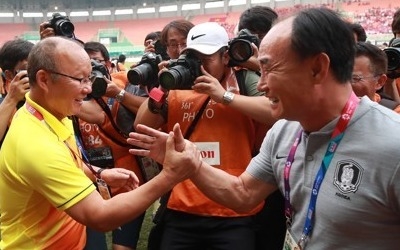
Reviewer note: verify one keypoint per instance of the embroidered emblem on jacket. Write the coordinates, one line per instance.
(348, 176)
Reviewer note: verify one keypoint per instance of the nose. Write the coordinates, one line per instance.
(87, 88)
(262, 84)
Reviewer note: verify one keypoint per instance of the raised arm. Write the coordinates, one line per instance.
(240, 193)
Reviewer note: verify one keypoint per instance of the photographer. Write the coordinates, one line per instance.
(392, 86)
(214, 96)
(13, 62)
(159, 48)
(257, 21)
(105, 121)
(369, 74)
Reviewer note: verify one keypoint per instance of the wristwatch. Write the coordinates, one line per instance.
(120, 96)
(227, 97)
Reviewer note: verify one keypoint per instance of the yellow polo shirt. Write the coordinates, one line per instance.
(39, 179)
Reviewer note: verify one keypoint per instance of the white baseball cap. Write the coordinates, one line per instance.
(206, 38)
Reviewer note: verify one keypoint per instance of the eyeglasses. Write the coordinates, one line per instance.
(82, 81)
(99, 60)
(358, 78)
(176, 45)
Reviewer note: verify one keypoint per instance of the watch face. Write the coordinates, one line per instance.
(120, 96)
(228, 97)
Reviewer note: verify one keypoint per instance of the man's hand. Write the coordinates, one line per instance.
(150, 142)
(112, 88)
(45, 30)
(19, 86)
(120, 179)
(207, 84)
(182, 158)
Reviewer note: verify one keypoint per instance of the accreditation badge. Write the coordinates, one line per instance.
(290, 243)
(103, 189)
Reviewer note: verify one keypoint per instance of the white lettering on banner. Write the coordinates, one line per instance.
(210, 152)
(188, 116)
(87, 127)
(94, 140)
(209, 113)
(186, 105)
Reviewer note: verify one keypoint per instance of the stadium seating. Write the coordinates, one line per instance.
(128, 35)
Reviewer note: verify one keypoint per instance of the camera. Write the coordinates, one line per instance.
(61, 25)
(181, 72)
(146, 72)
(99, 84)
(160, 49)
(393, 56)
(240, 49)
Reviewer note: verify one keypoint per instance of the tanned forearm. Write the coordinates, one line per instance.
(256, 107)
(144, 116)
(229, 190)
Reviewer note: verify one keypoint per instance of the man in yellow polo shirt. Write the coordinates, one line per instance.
(46, 190)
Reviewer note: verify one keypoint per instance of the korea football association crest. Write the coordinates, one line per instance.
(348, 176)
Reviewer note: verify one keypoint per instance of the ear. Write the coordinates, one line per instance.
(380, 82)
(9, 75)
(108, 64)
(225, 57)
(320, 67)
(43, 79)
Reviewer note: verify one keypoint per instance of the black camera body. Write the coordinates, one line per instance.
(160, 49)
(393, 56)
(240, 49)
(99, 84)
(181, 72)
(146, 72)
(61, 25)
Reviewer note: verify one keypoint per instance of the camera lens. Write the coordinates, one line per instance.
(141, 74)
(393, 55)
(177, 77)
(65, 28)
(240, 50)
(99, 87)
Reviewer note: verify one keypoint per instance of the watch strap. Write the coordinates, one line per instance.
(120, 96)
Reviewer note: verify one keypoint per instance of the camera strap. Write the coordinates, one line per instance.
(159, 215)
(107, 110)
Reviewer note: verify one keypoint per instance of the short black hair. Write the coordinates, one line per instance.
(152, 36)
(182, 25)
(396, 22)
(97, 47)
(359, 31)
(14, 51)
(121, 58)
(377, 57)
(321, 30)
(257, 19)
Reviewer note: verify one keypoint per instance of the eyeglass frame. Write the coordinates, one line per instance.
(361, 78)
(176, 45)
(89, 81)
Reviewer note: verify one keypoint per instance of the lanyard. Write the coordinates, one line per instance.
(336, 137)
(40, 117)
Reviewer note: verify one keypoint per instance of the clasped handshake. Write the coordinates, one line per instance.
(180, 158)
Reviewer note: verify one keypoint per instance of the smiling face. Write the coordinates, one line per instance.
(68, 93)
(57, 87)
(364, 82)
(284, 77)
